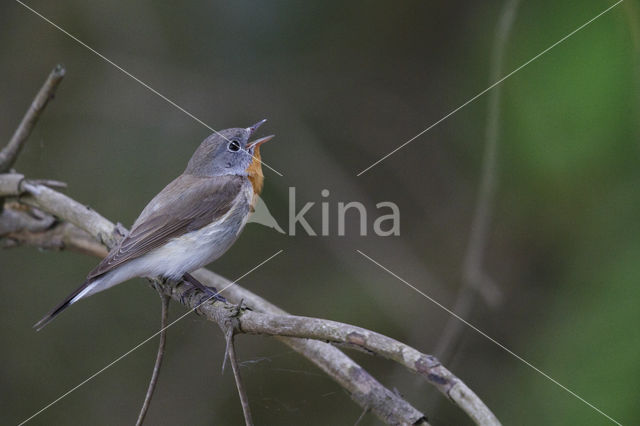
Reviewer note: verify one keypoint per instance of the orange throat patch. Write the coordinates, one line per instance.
(255, 175)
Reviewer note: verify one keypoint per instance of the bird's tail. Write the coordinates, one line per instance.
(78, 294)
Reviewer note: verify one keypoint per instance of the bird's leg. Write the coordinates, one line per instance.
(210, 291)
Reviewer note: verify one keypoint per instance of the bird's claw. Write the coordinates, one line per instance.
(187, 294)
(209, 293)
(212, 294)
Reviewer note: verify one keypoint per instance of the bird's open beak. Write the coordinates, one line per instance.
(258, 142)
(252, 129)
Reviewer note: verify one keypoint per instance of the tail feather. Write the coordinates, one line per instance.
(72, 298)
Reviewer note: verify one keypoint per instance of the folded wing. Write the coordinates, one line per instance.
(192, 203)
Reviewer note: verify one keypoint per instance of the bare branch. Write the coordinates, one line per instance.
(295, 331)
(246, 321)
(62, 236)
(10, 153)
(474, 279)
(374, 343)
(63, 207)
(244, 400)
(363, 388)
(164, 319)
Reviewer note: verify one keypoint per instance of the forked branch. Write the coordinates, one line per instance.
(266, 318)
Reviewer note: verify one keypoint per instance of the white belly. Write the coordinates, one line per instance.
(198, 248)
(190, 251)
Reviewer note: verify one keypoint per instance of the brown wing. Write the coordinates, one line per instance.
(186, 204)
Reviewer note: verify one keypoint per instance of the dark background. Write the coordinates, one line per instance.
(342, 83)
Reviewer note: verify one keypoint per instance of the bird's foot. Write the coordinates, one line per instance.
(210, 292)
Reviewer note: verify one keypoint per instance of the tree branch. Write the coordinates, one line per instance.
(244, 401)
(374, 343)
(61, 236)
(268, 319)
(474, 279)
(364, 389)
(164, 319)
(10, 153)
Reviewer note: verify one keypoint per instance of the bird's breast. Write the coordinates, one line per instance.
(197, 248)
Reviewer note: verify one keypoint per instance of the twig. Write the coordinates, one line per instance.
(244, 400)
(474, 280)
(61, 236)
(365, 410)
(164, 319)
(9, 153)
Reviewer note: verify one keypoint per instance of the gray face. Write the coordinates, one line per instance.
(217, 156)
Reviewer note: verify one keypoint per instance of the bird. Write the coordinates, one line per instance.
(193, 221)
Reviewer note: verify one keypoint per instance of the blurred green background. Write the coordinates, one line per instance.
(342, 84)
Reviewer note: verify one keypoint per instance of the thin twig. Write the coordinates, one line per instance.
(365, 410)
(474, 279)
(9, 153)
(60, 236)
(244, 400)
(164, 319)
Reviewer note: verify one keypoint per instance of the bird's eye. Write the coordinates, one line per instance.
(234, 146)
